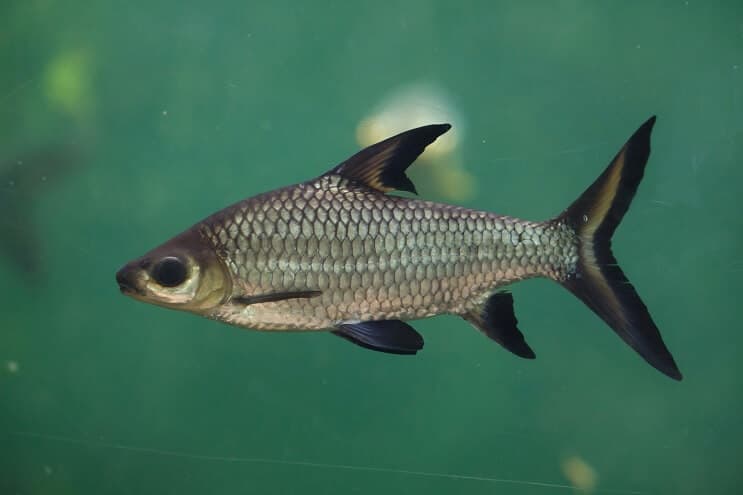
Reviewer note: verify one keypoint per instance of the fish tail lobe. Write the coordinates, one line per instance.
(597, 279)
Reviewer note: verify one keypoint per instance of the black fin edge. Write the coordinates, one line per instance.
(497, 320)
(599, 281)
(389, 336)
(382, 166)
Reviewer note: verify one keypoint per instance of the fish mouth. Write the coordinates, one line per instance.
(127, 282)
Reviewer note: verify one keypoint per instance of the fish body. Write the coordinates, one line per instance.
(372, 256)
(337, 253)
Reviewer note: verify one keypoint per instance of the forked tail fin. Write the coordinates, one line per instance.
(598, 281)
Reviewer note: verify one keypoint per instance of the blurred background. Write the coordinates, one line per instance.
(123, 123)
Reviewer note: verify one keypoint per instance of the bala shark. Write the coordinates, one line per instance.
(337, 253)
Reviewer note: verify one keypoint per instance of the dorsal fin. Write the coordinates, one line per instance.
(382, 166)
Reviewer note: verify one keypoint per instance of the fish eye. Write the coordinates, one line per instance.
(169, 272)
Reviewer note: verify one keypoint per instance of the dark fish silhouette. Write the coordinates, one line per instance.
(336, 253)
(22, 179)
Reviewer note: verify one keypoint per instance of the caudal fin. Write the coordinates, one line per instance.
(598, 281)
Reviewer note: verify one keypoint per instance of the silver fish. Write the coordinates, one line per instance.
(337, 253)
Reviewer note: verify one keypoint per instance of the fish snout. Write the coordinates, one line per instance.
(127, 279)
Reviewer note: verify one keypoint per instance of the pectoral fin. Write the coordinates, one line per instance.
(391, 336)
(496, 319)
(275, 296)
(382, 166)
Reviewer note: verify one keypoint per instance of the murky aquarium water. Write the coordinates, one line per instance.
(124, 123)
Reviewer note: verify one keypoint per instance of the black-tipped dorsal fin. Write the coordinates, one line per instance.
(382, 166)
(496, 319)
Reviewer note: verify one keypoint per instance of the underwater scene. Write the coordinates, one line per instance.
(376, 328)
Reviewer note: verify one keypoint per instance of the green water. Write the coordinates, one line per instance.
(179, 108)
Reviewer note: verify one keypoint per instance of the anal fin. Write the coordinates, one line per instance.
(496, 319)
(390, 336)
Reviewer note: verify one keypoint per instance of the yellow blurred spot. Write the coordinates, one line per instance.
(454, 183)
(415, 105)
(67, 82)
(580, 474)
(12, 367)
(412, 106)
(370, 131)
